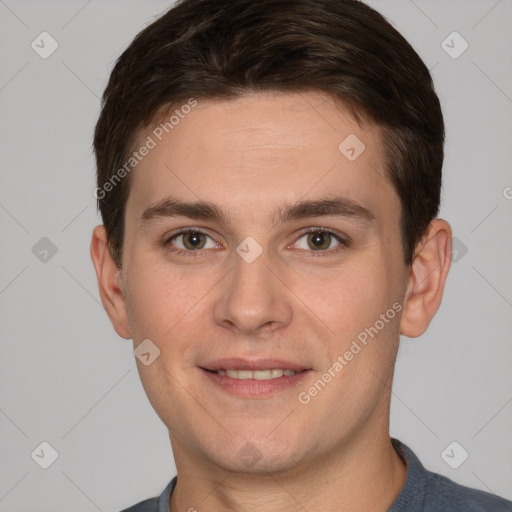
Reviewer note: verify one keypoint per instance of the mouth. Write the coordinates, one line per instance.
(269, 374)
(252, 378)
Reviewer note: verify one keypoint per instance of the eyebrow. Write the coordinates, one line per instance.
(203, 210)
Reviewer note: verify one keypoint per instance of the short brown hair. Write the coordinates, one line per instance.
(221, 49)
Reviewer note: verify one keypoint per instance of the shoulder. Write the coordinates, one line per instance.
(158, 504)
(453, 497)
(150, 505)
(426, 491)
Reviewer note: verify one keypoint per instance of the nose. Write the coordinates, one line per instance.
(253, 298)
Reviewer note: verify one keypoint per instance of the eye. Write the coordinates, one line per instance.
(189, 240)
(320, 240)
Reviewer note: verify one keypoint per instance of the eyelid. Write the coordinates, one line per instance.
(323, 229)
(183, 231)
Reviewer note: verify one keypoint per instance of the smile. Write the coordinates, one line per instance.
(257, 374)
(260, 383)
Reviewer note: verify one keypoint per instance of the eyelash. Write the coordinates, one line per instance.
(200, 252)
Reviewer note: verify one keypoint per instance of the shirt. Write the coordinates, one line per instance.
(423, 491)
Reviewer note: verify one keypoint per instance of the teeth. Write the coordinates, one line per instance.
(257, 374)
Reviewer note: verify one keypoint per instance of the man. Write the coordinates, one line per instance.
(269, 177)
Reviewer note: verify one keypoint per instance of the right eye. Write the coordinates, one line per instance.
(189, 240)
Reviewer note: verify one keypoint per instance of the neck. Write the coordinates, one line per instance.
(365, 474)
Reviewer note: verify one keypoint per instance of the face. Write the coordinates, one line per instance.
(295, 263)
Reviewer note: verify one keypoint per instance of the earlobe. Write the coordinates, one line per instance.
(427, 278)
(110, 284)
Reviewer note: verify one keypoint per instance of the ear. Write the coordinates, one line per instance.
(110, 282)
(427, 277)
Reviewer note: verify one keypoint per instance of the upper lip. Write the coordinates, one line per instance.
(236, 363)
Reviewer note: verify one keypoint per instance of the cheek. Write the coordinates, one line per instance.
(355, 296)
(366, 329)
(160, 298)
(361, 351)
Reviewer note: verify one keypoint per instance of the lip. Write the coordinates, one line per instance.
(252, 388)
(238, 363)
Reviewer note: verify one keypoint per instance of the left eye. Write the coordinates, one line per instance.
(319, 240)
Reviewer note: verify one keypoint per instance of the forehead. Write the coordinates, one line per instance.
(260, 147)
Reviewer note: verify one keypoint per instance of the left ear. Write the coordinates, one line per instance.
(427, 277)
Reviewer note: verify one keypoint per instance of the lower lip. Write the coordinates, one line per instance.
(252, 388)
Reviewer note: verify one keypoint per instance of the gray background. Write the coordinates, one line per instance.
(65, 376)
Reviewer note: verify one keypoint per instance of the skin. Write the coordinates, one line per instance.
(294, 302)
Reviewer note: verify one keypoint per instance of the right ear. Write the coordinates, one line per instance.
(110, 284)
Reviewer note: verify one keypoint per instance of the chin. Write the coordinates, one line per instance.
(258, 454)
